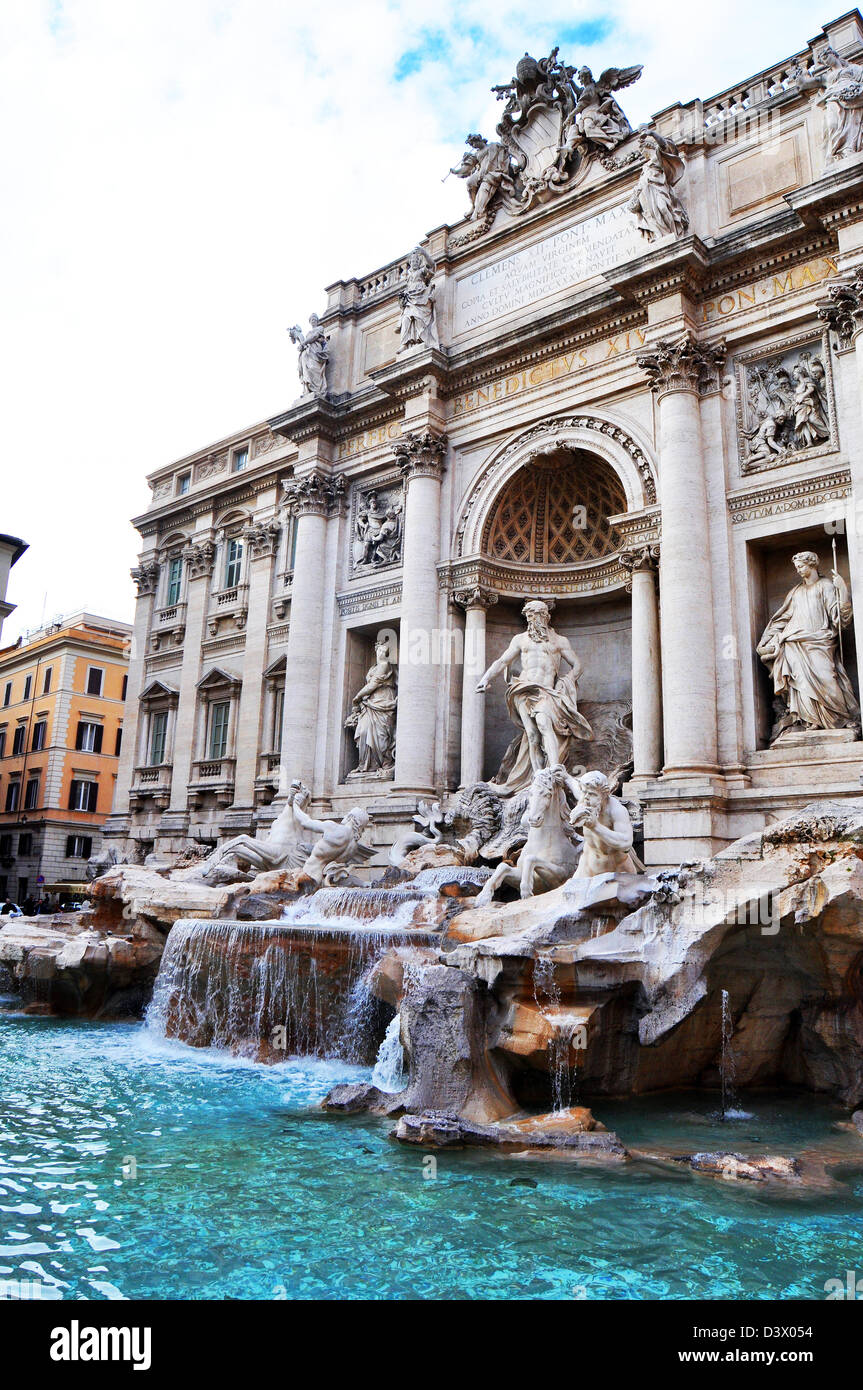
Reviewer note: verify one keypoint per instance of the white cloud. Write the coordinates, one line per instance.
(182, 179)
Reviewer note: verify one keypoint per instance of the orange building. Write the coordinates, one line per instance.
(61, 726)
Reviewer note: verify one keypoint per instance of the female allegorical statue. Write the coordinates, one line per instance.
(799, 646)
(373, 717)
(656, 205)
(842, 98)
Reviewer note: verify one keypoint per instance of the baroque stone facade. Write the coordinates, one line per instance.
(628, 384)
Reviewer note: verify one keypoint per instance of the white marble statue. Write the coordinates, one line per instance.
(597, 119)
(842, 97)
(340, 845)
(539, 699)
(372, 719)
(484, 166)
(314, 356)
(800, 648)
(550, 853)
(280, 847)
(657, 208)
(609, 871)
(417, 298)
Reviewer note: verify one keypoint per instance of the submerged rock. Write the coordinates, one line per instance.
(738, 1167)
(574, 1133)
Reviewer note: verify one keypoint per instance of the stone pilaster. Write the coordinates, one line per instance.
(680, 371)
(261, 540)
(146, 577)
(421, 456)
(312, 499)
(476, 603)
(646, 661)
(842, 311)
(198, 558)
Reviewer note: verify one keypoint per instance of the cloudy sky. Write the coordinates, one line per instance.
(182, 177)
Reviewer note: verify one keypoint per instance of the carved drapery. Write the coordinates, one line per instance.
(555, 511)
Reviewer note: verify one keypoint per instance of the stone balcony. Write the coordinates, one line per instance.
(228, 608)
(213, 776)
(169, 627)
(151, 783)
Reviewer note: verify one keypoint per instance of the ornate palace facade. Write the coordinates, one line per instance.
(628, 384)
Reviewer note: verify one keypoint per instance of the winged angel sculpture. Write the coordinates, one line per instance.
(556, 119)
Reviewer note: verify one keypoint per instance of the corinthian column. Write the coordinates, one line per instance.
(261, 541)
(421, 457)
(311, 499)
(679, 371)
(646, 661)
(476, 603)
(199, 558)
(146, 577)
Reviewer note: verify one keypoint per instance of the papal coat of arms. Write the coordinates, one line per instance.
(556, 119)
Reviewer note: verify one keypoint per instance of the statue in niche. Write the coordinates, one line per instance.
(539, 699)
(314, 356)
(378, 531)
(372, 719)
(788, 406)
(657, 208)
(484, 166)
(340, 846)
(417, 298)
(800, 648)
(842, 98)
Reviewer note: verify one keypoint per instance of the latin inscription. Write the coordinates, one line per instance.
(551, 266)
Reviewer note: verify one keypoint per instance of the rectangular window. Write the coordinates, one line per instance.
(46, 683)
(184, 482)
(118, 742)
(79, 846)
(25, 843)
(95, 675)
(19, 739)
(125, 687)
(83, 795)
(13, 796)
(31, 794)
(175, 581)
(40, 733)
(233, 563)
(28, 685)
(278, 714)
(7, 694)
(2, 743)
(241, 459)
(158, 735)
(5, 846)
(89, 737)
(292, 549)
(219, 713)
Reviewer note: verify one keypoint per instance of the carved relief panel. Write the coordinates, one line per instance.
(377, 525)
(785, 408)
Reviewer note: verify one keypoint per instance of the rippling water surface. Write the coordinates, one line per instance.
(131, 1168)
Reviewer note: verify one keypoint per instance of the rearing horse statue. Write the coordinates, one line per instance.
(550, 855)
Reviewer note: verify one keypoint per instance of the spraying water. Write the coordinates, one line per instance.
(389, 1072)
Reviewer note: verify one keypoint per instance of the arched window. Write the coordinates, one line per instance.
(555, 510)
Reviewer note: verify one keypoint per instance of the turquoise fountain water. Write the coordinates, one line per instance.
(132, 1167)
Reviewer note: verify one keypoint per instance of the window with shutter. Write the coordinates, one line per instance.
(95, 675)
(40, 732)
(19, 739)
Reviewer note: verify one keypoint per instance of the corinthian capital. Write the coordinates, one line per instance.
(683, 365)
(262, 538)
(200, 559)
(843, 309)
(475, 598)
(315, 494)
(146, 577)
(641, 559)
(421, 455)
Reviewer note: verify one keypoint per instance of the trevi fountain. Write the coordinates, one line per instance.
(538, 973)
